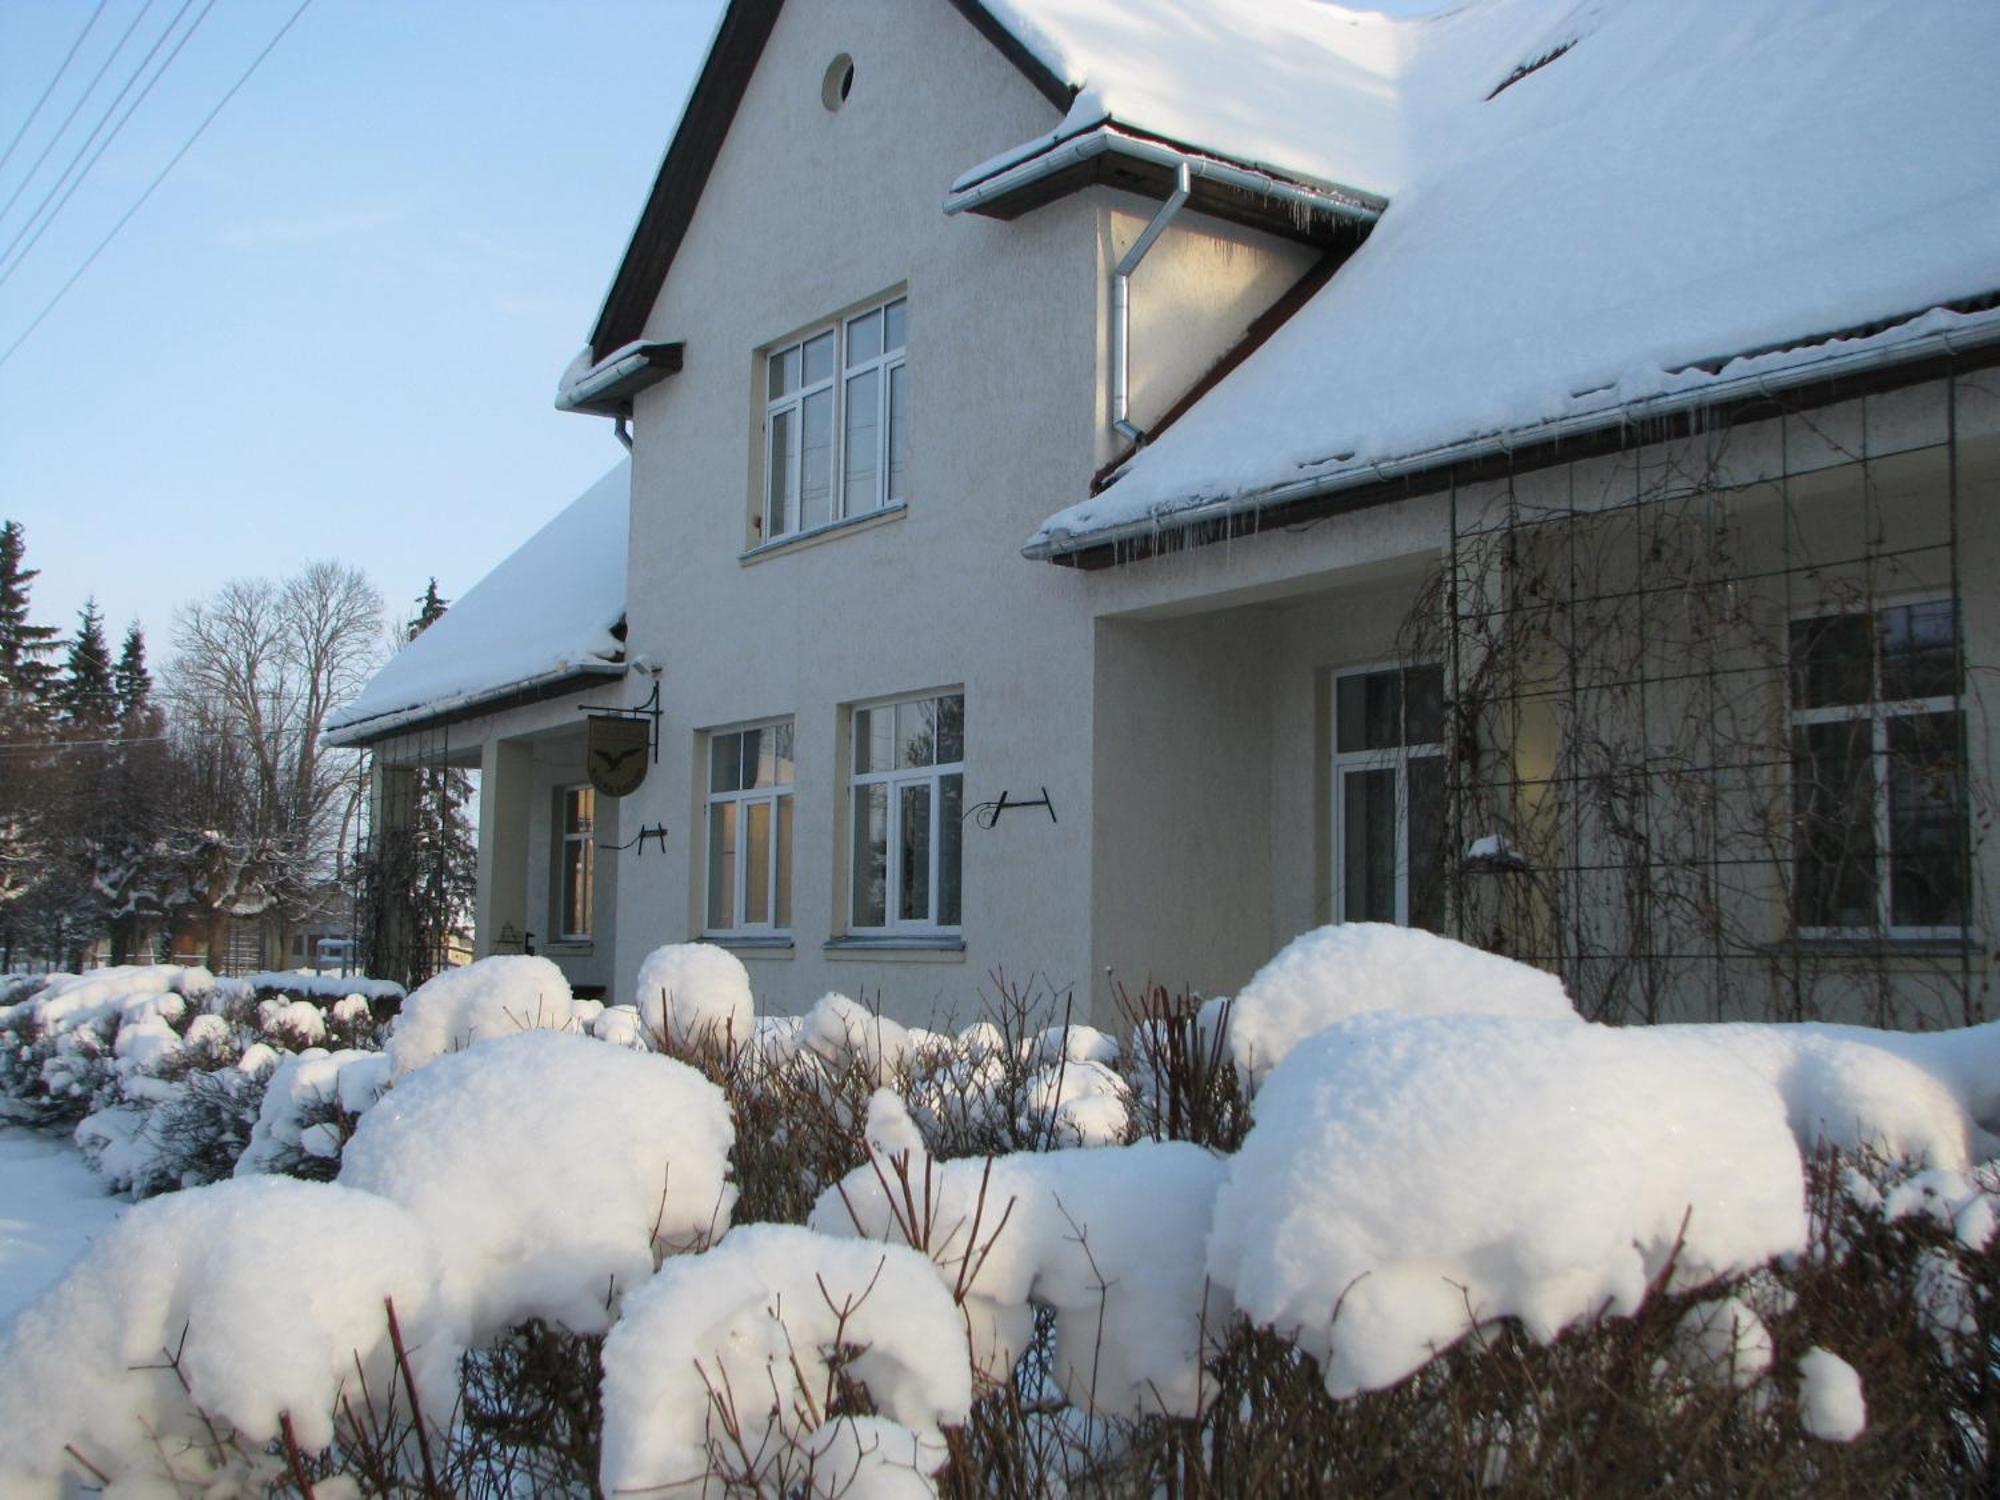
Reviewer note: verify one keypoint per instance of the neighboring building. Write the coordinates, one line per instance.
(1547, 467)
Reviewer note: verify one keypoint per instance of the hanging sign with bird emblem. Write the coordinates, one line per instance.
(614, 753)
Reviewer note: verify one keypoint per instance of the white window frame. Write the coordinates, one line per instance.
(932, 776)
(586, 841)
(1880, 712)
(1396, 758)
(779, 798)
(881, 368)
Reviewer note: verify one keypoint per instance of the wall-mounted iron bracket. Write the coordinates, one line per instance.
(988, 813)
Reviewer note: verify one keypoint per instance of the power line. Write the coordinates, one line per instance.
(76, 108)
(126, 218)
(105, 144)
(21, 134)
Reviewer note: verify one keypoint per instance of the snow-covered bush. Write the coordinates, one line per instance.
(1408, 1179)
(1110, 1241)
(552, 1171)
(1429, 1248)
(66, 1047)
(491, 998)
(310, 1108)
(695, 994)
(745, 1364)
(1356, 968)
(208, 1327)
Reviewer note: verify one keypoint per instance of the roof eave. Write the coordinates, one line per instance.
(607, 389)
(1148, 165)
(364, 733)
(1834, 376)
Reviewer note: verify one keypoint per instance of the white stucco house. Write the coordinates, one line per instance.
(1113, 485)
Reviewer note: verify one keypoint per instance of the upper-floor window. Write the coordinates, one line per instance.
(836, 406)
(576, 896)
(750, 829)
(1389, 796)
(1878, 796)
(908, 808)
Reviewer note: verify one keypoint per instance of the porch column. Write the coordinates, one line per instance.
(506, 781)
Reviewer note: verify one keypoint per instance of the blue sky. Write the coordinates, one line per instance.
(335, 329)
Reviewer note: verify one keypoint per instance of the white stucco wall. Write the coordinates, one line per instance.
(808, 214)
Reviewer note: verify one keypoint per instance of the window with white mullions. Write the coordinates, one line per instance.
(750, 830)
(907, 815)
(1389, 796)
(836, 410)
(1880, 828)
(577, 858)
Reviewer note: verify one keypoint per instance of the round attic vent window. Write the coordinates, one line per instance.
(838, 83)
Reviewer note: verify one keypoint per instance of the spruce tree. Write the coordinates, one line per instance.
(86, 701)
(138, 719)
(430, 609)
(26, 674)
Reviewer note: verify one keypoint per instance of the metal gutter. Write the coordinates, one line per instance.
(466, 705)
(1341, 203)
(607, 388)
(1944, 342)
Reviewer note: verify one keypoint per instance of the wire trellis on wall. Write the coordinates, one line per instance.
(414, 860)
(1717, 748)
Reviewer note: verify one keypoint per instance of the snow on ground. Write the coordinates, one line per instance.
(1687, 183)
(51, 1207)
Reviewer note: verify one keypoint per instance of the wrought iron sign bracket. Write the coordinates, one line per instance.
(650, 709)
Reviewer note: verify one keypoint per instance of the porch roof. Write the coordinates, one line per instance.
(551, 612)
(1595, 210)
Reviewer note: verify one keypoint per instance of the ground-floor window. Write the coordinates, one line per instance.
(908, 796)
(1389, 796)
(1880, 835)
(577, 862)
(750, 829)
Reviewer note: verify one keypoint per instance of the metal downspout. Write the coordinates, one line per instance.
(1121, 306)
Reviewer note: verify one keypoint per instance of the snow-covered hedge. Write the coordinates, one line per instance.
(1432, 1182)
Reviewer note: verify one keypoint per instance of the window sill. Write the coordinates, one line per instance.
(755, 945)
(937, 947)
(892, 512)
(570, 948)
(1872, 945)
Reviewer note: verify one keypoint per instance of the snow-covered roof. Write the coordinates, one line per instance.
(544, 614)
(1674, 186)
(1301, 88)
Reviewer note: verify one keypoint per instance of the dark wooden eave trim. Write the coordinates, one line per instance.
(541, 692)
(1615, 436)
(1056, 90)
(615, 400)
(711, 109)
(663, 224)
